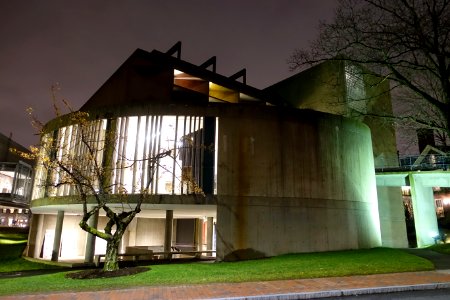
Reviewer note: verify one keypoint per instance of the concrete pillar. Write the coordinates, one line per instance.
(199, 234)
(425, 219)
(90, 242)
(124, 242)
(58, 233)
(168, 233)
(392, 217)
(209, 233)
(34, 236)
(40, 237)
(132, 227)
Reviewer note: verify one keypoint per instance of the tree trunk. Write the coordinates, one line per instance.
(112, 251)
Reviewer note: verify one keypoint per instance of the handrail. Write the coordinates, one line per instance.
(416, 163)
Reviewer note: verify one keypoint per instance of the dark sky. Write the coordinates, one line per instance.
(79, 44)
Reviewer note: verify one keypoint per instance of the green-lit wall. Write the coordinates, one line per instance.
(392, 217)
(294, 181)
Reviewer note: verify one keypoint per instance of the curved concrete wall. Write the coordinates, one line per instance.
(294, 181)
(288, 180)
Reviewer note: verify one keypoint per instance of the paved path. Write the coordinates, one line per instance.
(285, 289)
(440, 261)
(282, 289)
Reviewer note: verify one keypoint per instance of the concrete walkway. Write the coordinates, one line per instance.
(440, 261)
(283, 289)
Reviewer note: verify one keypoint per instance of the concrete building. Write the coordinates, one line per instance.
(276, 179)
(341, 88)
(348, 90)
(345, 89)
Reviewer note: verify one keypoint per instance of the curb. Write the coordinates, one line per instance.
(340, 293)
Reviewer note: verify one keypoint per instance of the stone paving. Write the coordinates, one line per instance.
(283, 289)
(279, 290)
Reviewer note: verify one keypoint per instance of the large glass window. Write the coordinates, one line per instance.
(156, 154)
(77, 147)
(40, 172)
(215, 92)
(6, 181)
(15, 181)
(22, 182)
(180, 171)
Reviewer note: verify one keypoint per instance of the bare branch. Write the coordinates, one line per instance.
(405, 41)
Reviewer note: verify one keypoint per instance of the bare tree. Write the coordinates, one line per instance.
(404, 41)
(75, 157)
(82, 169)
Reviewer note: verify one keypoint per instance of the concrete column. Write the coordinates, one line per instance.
(124, 242)
(132, 227)
(36, 222)
(209, 233)
(425, 219)
(58, 233)
(392, 217)
(90, 242)
(168, 233)
(199, 235)
(40, 237)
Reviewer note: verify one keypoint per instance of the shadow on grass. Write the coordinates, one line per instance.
(99, 273)
(11, 251)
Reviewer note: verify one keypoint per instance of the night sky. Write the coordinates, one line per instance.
(79, 44)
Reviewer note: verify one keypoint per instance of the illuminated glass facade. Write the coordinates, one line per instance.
(189, 168)
(15, 182)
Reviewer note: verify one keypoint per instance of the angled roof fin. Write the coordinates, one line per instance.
(210, 62)
(242, 73)
(175, 49)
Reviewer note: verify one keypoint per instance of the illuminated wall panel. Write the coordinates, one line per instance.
(222, 93)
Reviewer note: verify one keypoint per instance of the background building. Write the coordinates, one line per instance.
(15, 184)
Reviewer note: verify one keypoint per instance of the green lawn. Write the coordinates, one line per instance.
(441, 248)
(21, 264)
(12, 244)
(313, 265)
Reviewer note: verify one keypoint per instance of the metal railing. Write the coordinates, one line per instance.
(415, 163)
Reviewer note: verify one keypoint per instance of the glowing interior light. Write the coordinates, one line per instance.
(446, 201)
(406, 190)
(177, 72)
(434, 234)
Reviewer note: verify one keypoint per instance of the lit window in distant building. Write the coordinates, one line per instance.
(356, 94)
